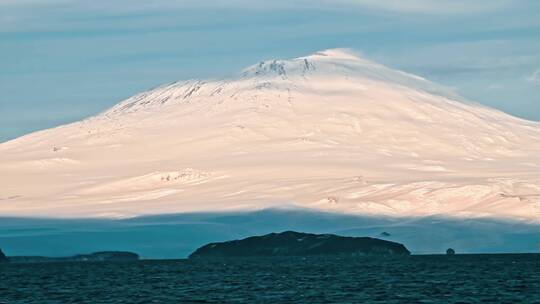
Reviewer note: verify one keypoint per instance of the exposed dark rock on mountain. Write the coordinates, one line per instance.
(292, 243)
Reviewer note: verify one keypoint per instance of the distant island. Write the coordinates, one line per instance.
(102, 256)
(291, 243)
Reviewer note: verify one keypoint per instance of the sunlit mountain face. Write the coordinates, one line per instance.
(330, 132)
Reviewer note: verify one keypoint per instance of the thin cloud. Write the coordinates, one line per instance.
(411, 6)
(33, 3)
(534, 77)
(432, 6)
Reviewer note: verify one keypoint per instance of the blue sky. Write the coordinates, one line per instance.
(63, 60)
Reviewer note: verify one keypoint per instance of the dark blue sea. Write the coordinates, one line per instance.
(415, 279)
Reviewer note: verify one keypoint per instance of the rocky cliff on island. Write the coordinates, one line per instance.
(3, 257)
(292, 243)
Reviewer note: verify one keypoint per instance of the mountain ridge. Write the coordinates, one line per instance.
(278, 73)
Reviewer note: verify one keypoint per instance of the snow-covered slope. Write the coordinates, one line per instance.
(330, 131)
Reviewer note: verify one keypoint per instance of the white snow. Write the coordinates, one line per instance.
(331, 131)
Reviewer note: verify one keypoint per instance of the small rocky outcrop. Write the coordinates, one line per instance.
(292, 243)
(450, 251)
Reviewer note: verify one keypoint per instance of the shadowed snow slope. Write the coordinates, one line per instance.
(330, 131)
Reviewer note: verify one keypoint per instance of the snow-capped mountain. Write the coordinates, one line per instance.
(330, 131)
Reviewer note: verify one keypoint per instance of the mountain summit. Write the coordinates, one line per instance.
(330, 131)
(341, 64)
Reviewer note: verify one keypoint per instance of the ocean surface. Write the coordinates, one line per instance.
(414, 279)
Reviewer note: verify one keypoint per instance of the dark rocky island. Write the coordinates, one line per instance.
(103, 256)
(292, 243)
